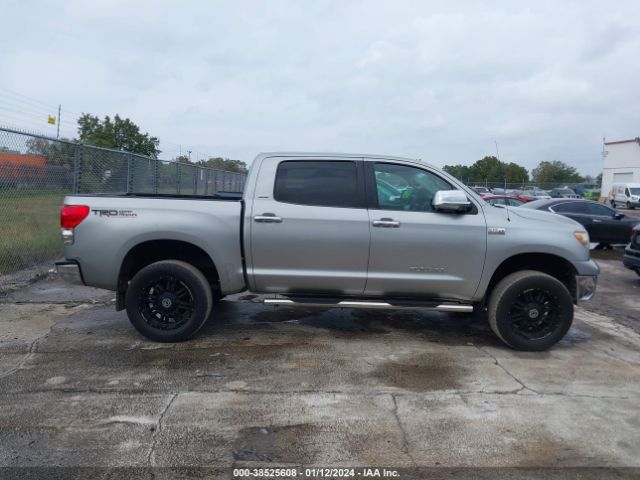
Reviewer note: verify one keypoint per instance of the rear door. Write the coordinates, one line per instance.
(415, 251)
(309, 232)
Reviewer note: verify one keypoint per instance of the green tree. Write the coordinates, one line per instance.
(461, 172)
(56, 153)
(555, 172)
(118, 133)
(489, 169)
(224, 164)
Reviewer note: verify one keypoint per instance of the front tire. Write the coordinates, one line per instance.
(168, 301)
(530, 310)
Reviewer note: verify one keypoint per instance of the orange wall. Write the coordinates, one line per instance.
(19, 159)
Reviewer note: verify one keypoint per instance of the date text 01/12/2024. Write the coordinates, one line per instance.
(367, 472)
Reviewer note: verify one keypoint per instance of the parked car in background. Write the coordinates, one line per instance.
(481, 190)
(591, 194)
(521, 195)
(581, 188)
(631, 258)
(605, 225)
(563, 193)
(502, 200)
(537, 194)
(625, 195)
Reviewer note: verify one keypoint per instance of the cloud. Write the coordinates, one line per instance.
(435, 80)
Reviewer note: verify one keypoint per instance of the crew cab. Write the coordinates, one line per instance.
(332, 230)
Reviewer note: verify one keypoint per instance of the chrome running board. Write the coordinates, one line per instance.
(306, 302)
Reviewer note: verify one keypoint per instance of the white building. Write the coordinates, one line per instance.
(621, 164)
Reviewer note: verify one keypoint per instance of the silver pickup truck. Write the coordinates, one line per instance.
(354, 231)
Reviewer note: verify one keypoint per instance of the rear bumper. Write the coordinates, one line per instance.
(69, 271)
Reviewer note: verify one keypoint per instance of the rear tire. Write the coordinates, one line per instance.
(530, 310)
(168, 301)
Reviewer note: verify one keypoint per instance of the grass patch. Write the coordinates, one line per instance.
(30, 223)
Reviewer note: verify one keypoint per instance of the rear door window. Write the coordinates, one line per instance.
(319, 183)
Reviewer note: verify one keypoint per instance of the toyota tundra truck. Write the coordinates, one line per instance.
(333, 231)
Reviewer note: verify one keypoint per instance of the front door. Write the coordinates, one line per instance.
(416, 251)
(310, 234)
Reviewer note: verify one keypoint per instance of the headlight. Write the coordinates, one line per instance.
(582, 237)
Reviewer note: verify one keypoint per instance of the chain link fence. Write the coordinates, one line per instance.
(36, 172)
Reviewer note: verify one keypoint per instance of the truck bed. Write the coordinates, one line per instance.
(231, 196)
(118, 223)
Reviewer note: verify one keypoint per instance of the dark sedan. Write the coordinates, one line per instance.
(605, 225)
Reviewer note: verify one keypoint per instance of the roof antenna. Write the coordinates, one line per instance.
(506, 207)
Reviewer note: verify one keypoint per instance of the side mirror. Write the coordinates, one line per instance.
(451, 201)
(618, 215)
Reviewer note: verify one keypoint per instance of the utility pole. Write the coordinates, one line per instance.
(59, 110)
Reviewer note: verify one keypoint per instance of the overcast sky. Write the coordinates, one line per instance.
(441, 81)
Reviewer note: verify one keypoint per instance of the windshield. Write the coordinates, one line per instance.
(635, 191)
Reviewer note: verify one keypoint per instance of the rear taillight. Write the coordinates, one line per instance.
(70, 218)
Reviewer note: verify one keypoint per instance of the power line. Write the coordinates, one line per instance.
(25, 107)
(28, 99)
(22, 124)
(31, 102)
(35, 118)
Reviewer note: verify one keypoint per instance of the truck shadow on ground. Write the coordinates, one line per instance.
(447, 329)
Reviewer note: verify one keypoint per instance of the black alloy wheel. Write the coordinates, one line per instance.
(530, 310)
(534, 314)
(168, 301)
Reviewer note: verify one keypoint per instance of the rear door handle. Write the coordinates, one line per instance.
(595, 220)
(386, 223)
(267, 218)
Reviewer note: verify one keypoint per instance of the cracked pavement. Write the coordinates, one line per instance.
(263, 386)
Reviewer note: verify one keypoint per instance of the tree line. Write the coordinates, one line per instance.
(122, 134)
(491, 170)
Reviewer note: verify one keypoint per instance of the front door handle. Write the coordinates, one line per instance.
(595, 220)
(386, 223)
(267, 218)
